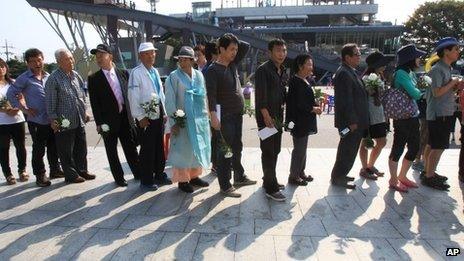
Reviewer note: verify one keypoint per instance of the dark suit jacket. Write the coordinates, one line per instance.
(104, 105)
(300, 103)
(351, 105)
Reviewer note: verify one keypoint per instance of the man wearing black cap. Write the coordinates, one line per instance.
(351, 114)
(440, 109)
(108, 98)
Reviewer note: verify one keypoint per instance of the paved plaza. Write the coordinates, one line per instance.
(97, 220)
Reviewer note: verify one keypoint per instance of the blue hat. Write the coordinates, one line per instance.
(408, 53)
(445, 42)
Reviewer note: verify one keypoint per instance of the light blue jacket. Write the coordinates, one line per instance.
(191, 147)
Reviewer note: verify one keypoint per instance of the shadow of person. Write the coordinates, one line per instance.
(19, 197)
(46, 221)
(335, 219)
(173, 228)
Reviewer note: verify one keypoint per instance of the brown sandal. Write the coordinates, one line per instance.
(10, 180)
(23, 176)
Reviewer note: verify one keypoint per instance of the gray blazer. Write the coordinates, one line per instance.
(351, 106)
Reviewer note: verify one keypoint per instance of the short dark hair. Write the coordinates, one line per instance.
(199, 48)
(299, 61)
(7, 73)
(210, 50)
(32, 52)
(441, 52)
(348, 49)
(227, 39)
(275, 42)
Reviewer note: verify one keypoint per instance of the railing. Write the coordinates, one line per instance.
(272, 3)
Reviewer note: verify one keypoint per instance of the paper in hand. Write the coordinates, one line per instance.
(218, 112)
(266, 133)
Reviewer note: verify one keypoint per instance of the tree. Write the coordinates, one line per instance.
(433, 21)
(16, 67)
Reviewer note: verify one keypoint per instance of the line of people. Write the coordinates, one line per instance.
(364, 116)
(137, 109)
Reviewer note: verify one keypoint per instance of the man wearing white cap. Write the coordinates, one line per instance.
(146, 100)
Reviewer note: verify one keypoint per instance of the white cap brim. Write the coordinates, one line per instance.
(147, 49)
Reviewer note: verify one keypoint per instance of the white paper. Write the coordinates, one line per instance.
(218, 111)
(266, 133)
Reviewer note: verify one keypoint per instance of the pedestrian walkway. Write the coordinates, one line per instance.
(97, 220)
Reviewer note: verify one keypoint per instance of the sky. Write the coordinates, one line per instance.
(23, 26)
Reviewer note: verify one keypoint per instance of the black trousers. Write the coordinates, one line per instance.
(152, 158)
(17, 133)
(129, 146)
(270, 149)
(72, 151)
(43, 137)
(231, 129)
(405, 132)
(298, 162)
(346, 154)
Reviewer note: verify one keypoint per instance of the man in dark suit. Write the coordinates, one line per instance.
(351, 114)
(110, 106)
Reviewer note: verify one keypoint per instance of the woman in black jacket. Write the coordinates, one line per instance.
(301, 117)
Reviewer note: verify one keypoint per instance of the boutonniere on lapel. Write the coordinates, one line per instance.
(151, 108)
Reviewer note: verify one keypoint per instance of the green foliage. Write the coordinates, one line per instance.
(50, 67)
(433, 21)
(318, 93)
(16, 67)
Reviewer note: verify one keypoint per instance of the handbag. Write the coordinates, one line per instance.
(398, 105)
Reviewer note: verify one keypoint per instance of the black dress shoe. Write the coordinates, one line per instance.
(121, 183)
(348, 178)
(87, 176)
(280, 186)
(199, 183)
(185, 187)
(307, 178)
(297, 182)
(343, 184)
(162, 179)
(150, 187)
(42, 181)
(78, 179)
(56, 174)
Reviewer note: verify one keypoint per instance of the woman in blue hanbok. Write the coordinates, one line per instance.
(190, 145)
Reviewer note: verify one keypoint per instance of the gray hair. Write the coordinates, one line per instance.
(60, 52)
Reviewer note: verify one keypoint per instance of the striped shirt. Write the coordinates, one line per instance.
(65, 97)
